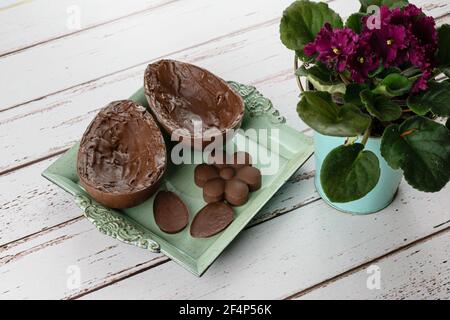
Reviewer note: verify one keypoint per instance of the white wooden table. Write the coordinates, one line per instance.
(56, 71)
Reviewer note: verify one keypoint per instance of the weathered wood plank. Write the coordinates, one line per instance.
(74, 241)
(107, 49)
(294, 251)
(418, 272)
(32, 204)
(28, 23)
(57, 121)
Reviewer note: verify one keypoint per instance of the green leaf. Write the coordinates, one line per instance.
(317, 110)
(421, 147)
(447, 124)
(446, 71)
(443, 55)
(390, 3)
(354, 22)
(436, 99)
(352, 93)
(348, 173)
(389, 71)
(381, 107)
(321, 78)
(393, 85)
(301, 22)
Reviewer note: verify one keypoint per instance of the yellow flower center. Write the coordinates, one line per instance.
(389, 42)
(336, 51)
(361, 60)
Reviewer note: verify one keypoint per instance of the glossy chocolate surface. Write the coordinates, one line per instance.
(212, 219)
(214, 190)
(203, 173)
(181, 94)
(251, 176)
(170, 212)
(236, 192)
(122, 155)
(227, 173)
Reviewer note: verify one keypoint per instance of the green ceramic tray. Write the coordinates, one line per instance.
(136, 225)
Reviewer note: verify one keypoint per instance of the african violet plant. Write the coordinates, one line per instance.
(376, 76)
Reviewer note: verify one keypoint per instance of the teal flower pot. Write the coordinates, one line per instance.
(377, 199)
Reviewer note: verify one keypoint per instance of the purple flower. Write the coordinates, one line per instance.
(333, 46)
(387, 42)
(422, 83)
(363, 61)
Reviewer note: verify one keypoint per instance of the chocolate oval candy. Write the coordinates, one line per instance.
(251, 176)
(211, 220)
(181, 94)
(203, 173)
(170, 212)
(214, 190)
(122, 156)
(236, 192)
(227, 173)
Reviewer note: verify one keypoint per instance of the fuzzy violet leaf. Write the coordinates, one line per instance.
(320, 77)
(393, 85)
(354, 22)
(349, 173)
(443, 55)
(317, 109)
(380, 107)
(301, 22)
(421, 147)
(436, 99)
(352, 93)
(365, 4)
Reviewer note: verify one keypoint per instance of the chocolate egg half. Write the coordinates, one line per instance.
(122, 156)
(192, 104)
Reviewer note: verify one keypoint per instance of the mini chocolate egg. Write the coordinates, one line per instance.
(170, 212)
(211, 220)
(227, 173)
(251, 176)
(213, 190)
(203, 173)
(236, 192)
(241, 159)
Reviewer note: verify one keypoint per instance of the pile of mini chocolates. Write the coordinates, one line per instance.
(122, 156)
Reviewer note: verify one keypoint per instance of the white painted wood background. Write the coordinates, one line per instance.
(52, 82)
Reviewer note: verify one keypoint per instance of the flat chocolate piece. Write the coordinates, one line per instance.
(203, 173)
(170, 212)
(211, 220)
(241, 159)
(214, 190)
(227, 173)
(180, 94)
(251, 176)
(122, 155)
(236, 192)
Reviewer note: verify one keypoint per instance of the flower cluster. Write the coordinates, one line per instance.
(404, 37)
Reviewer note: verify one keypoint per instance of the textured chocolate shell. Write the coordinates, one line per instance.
(184, 97)
(122, 156)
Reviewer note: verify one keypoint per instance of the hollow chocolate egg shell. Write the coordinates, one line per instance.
(191, 104)
(122, 156)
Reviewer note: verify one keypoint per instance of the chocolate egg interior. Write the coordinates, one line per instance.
(122, 155)
(180, 94)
